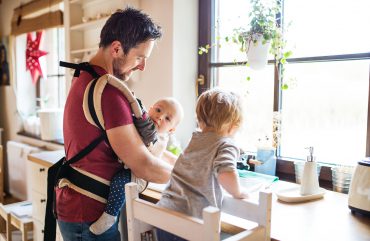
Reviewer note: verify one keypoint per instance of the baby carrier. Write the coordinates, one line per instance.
(63, 174)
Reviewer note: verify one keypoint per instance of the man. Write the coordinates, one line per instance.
(126, 41)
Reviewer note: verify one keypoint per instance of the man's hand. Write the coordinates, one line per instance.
(129, 147)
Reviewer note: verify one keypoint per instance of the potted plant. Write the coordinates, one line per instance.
(263, 35)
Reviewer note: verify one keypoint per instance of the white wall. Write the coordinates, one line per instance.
(185, 64)
(172, 68)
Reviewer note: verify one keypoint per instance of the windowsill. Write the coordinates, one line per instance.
(25, 134)
(285, 171)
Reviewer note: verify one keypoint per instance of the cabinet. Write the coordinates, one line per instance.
(37, 171)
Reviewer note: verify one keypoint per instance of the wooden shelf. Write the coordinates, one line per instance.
(84, 2)
(75, 1)
(79, 51)
(23, 133)
(89, 25)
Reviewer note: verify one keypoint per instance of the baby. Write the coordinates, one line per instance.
(165, 114)
(209, 161)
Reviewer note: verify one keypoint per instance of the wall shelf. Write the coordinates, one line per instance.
(79, 51)
(89, 25)
(84, 2)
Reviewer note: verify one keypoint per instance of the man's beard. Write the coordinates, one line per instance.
(117, 63)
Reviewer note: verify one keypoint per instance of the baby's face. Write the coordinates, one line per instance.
(165, 116)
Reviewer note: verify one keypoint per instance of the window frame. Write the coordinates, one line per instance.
(285, 167)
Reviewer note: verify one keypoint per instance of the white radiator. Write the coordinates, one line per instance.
(17, 153)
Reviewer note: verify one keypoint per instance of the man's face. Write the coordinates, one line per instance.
(135, 59)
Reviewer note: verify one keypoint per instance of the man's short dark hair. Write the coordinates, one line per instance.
(130, 27)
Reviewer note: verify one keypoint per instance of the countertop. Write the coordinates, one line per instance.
(326, 219)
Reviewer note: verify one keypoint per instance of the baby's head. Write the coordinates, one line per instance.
(166, 114)
(219, 111)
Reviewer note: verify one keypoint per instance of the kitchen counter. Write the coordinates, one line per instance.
(328, 218)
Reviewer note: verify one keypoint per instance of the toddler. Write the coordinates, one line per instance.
(165, 114)
(209, 161)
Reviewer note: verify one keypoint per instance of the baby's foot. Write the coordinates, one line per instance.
(102, 224)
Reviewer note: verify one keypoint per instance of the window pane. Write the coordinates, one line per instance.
(25, 89)
(258, 101)
(327, 109)
(230, 16)
(327, 27)
(53, 82)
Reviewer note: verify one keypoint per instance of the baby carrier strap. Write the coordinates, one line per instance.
(85, 66)
(55, 172)
(92, 104)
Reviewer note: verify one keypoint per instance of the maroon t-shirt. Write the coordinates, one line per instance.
(78, 133)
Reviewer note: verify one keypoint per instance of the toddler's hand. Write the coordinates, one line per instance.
(243, 194)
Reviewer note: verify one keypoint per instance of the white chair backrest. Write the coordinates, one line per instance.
(259, 213)
(143, 215)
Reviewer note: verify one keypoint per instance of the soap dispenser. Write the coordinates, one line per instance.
(310, 180)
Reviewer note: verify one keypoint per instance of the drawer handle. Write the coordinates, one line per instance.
(42, 231)
(42, 169)
(42, 200)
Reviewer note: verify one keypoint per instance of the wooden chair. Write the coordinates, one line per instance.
(143, 215)
(11, 222)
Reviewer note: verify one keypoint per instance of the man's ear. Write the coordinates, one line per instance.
(115, 48)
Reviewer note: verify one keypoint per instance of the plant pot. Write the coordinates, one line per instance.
(257, 53)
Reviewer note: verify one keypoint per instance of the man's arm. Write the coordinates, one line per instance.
(129, 147)
(169, 157)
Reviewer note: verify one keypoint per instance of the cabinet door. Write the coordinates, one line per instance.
(38, 206)
(38, 177)
(38, 231)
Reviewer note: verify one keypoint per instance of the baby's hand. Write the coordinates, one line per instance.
(243, 194)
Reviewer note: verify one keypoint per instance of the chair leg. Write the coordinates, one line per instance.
(8, 230)
(24, 236)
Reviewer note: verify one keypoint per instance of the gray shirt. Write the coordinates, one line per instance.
(193, 184)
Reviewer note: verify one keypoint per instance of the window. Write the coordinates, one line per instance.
(327, 103)
(49, 91)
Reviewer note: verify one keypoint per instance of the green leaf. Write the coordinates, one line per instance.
(240, 38)
(288, 54)
(248, 78)
(284, 87)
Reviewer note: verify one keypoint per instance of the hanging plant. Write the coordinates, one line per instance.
(262, 36)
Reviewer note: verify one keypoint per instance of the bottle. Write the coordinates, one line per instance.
(174, 146)
(266, 155)
(310, 180)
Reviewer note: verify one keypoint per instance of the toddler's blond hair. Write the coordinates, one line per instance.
(219, 109)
